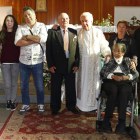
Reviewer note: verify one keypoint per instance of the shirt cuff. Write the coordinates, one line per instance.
(130, 76)
(109, 76)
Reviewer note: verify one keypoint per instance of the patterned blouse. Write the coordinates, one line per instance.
(32, 54)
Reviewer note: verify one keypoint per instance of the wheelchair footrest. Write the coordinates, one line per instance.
(99, 125)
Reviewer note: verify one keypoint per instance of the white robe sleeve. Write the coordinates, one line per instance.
(105, 49)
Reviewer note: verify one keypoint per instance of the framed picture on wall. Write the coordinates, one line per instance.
(41, 6)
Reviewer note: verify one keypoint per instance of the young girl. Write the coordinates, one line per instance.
(9, 60)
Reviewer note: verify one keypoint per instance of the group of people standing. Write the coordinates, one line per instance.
(68, 51)
(23, 51)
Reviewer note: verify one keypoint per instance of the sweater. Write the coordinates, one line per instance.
(10, 52)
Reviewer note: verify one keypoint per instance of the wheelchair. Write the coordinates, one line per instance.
(132, 109)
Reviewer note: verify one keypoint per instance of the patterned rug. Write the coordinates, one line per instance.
(64, 126)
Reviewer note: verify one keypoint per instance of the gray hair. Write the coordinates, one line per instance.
(28, 8)
(61, 14)
(87, 14)
(122, 46)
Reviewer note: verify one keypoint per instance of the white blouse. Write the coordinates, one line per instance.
(118, 69)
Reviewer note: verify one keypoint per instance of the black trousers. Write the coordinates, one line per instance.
(120, 92)
(56, 82)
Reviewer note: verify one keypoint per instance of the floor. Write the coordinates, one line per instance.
(4, 114)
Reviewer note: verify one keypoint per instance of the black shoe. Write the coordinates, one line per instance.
(8, 105)
(54, 113)
(107, 127)
(120, 129)
(13, 106)
(74, 111)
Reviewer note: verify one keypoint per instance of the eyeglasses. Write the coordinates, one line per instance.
(116, 51)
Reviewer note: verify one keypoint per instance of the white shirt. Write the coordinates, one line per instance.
(67, 53)
(32, 54)
(118, 69)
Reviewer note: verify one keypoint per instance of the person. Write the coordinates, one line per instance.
(31, 38)
(118, 79)
(9, 60)
(92, 43)
(62, 53)
(123, 37)
(137, 38)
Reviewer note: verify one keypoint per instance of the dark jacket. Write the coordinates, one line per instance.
(55, 53)
(137, 37)
(112, 65)
(130, 43)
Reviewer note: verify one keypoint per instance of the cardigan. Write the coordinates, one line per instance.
(124, 66)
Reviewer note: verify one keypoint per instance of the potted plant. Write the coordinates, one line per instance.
(135, 21)
(105, 22)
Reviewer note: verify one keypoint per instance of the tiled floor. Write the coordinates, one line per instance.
(4, 114)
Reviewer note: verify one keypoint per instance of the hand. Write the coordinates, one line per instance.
(55, 27)
(75, 69)
(110, 57)
(24, 38)
(117, 78)
(52, 69)
(132, 65)
(124, 77)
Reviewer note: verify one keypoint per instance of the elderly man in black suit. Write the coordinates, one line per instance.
(62, 53)
(118, 79)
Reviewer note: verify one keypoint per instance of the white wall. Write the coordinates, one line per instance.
(4, 11)
(126, 13)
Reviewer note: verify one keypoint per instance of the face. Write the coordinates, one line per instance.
(117, 52)
(63, 21)
(86, 22)
(9, 22)
(121, 29)
(29, 17)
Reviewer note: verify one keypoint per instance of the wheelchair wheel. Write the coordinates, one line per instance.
(133, 133)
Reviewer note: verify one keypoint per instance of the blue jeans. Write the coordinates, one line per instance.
(37, 72)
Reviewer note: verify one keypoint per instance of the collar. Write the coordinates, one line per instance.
(89, 31)
(118, 60)
(63, 29)
(36, 23)
(126, 37)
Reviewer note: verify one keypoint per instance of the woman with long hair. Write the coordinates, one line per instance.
(9, 60)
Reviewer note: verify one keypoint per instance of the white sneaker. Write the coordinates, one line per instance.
(41, 109)
(24, 109)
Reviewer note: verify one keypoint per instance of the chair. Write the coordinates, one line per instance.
(132, 109)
